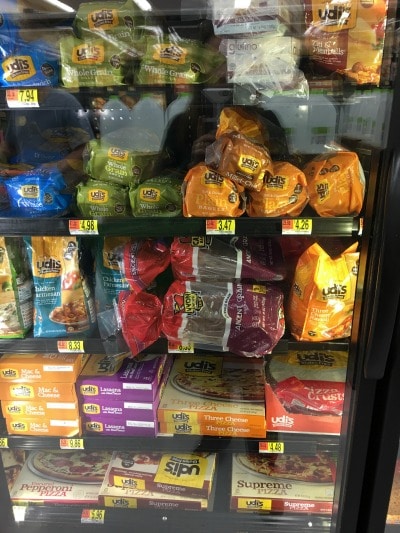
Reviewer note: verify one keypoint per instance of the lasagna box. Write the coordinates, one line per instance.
(282, 483)
(181, 474)
(109, 425)
(127, 379)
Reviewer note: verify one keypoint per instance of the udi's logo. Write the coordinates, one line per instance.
(10, 373)
(117, 153)
(189, 302)
(336, 291)
(89, 390)
(333, 16)
(88, 54)
(200, 367)
(14, 410)
(276, 182)
(178, 467)
(19, 426)
(91, 408)
(282, 421)
(94, 426)
(120, 502)
(129, 483)
(50, 265)
(213, 179)
(315, 358)
(180, 417)
(21, 391)
(248, 164)
(150, 194)
(98, 196)
(29, 191)
(170, 54)
(183, 428)
(103, 19)
(18, 68)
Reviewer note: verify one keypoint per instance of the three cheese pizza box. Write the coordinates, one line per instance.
(41, 367)
(43, 409)
(61, 477)
(127, 379)
(305, 391)
(64, 392)
(108, 425)
(220, 390)
(49, 427)
(181, 474)
(282, 483)
(211, 429)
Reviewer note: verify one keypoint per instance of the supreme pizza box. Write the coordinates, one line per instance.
(38, 367)
(181, 474)
(222, 390)
(64, 392)
(393, 514)
(108, 425)
(61, 477)
(282, 483)
(37, 409)
(49, 427)
(211, 429)
(127, 379)
(305, 391)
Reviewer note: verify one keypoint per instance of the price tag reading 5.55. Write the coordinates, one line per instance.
(92, 516)
(22, 98)
(297, 226)
(223, 226)
(83, 227)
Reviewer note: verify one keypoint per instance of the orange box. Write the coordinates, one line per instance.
(63, 392)
(37, 367)
(63, 410)
(44, 426)
(281, 420)
(214, 430)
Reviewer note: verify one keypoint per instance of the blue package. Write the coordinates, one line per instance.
(37, 193)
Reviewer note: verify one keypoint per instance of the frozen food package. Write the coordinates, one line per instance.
(16, 289)
(238, 158)
(218, 258)
(336, 184)
(97, 198)
(140, 319)
(284, 193)
(160, 196)
(208, 194)
(244, 319)
(63, 299)
(241, 120)
(347, 38)
(321, 300)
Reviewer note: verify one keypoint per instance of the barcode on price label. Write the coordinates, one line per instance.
(92, 516)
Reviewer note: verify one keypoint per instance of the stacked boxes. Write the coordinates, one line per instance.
(121, 397)
(37, 393)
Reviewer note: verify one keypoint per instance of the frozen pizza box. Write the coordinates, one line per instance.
(12, 462)
(61, 477)
(49, 427)
(282, 483)
(213, 430)
(108, 425)
(41, 367)
(305, 391)
(64, 392)
(222, 390)
(39, 409)
(127, 379)
(181, 474)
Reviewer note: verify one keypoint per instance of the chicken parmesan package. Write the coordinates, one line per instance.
(336, 184)
(63, 300)
(244, 319)
(321, 299)
(284, 193)
(219, 258)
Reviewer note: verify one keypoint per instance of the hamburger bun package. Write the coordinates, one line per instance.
(321, 298)
(244, 319)
(284, 193)
(336, 184)
(208, 194)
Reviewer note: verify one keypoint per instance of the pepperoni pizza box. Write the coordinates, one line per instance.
(49, 427)
(63, 392)
(43, 409)
(305, 391)
(61, 477)
(40, 367)
(182, 474)
(282, 483)
(220, 390)
(108, 425)
(128, 379)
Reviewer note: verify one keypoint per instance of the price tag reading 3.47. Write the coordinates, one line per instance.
(83, 227)
(22, 98)
(223, 226)
(297, 226)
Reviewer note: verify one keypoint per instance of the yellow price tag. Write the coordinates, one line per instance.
(176, 347)
(223, 226)
(22, 97)
(71, 444)
(271, 447)
(83, 227)
(3, 442)
(261, 289)
(92, 516)
(70, 346)
(297, 226)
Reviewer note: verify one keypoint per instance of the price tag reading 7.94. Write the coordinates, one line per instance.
(22, 98)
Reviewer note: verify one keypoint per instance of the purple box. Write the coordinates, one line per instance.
(127, 380)
(110, 425)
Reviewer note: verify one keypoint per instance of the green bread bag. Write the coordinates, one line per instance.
(160, 196)
(100, 199)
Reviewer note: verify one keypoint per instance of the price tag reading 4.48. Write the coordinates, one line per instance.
(70, 346)
(92, 516)
(83, 227)
(271, 447)
(71, 444)
(22, 98)
(297, 226)
(225, 226)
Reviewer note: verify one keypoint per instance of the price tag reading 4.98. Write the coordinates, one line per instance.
(297, 226)
(223, 226)
(83, 227)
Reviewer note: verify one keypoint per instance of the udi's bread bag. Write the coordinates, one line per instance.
(321, 299)
(336, 184)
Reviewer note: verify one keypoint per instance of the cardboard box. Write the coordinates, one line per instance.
(111, 426)
(210, 429)
(64, 392)
(16, 408)
(253, 491)
(36, 367)
(49, 427)
(393, 514)
(128, 380)
(181, 474)
(215, 390)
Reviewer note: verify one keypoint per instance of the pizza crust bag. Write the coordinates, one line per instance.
(244, 319)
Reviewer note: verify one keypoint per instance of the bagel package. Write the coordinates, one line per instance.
(336, 184)
(284, 193)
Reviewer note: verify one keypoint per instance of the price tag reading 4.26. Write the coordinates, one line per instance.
(92, 516)
(297, 226)
(223, 226)
(83, 227)
(71, 444)
(70, 346)
(271, 447)
(20, 98)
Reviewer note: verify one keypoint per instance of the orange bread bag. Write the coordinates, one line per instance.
(336, 184)
(321, 299)
(283, 193)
